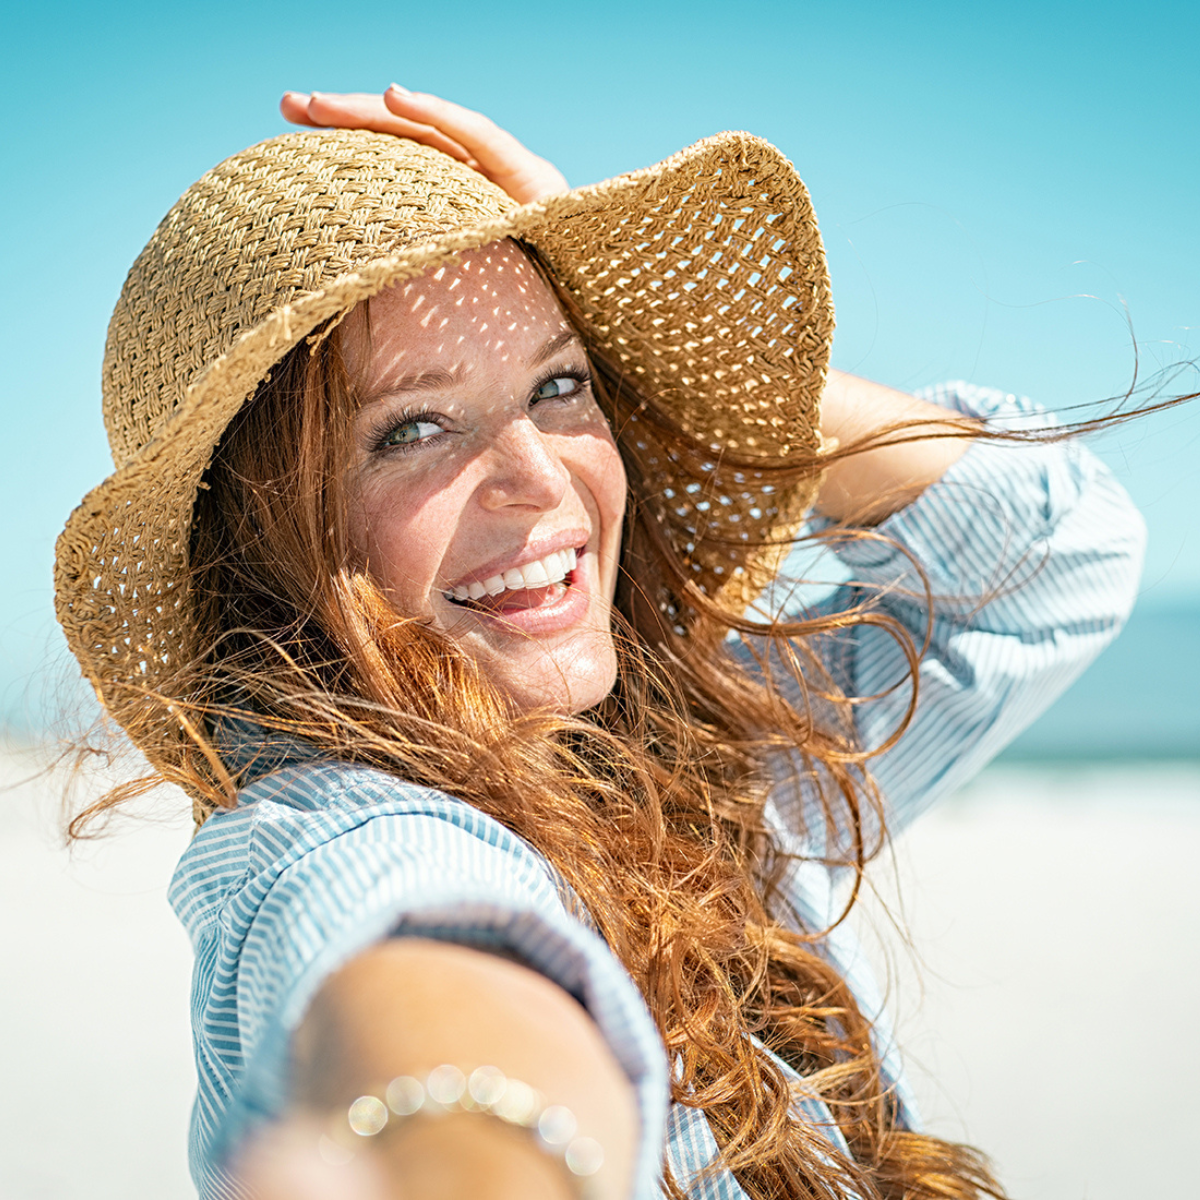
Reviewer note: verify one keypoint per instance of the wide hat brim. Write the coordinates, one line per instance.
(703, 277)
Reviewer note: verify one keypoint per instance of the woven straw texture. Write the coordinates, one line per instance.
(704, 276)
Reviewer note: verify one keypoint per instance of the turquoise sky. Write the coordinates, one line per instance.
(1008, 193)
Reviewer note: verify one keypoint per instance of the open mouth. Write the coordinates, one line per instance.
(529, 586)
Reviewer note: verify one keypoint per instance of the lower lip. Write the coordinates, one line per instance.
(568, 610)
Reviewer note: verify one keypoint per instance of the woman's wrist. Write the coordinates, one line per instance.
(411, 1104)
(920, 442)
(461, 1158)
(454, 1158)
(406, 1004)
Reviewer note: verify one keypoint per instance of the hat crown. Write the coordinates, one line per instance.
(263, 229)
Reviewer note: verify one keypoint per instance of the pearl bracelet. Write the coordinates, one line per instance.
(488, 1092)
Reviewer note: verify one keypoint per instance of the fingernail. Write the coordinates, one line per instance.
(403, 91)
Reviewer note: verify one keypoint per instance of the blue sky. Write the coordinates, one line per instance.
(1008, 193)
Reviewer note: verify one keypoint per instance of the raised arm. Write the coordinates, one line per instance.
(1030, 555)
(868, 487)
(863, 488)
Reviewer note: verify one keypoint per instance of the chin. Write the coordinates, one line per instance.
(566, 690)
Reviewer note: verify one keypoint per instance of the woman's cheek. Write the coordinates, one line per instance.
(378, 533)
(411, 540)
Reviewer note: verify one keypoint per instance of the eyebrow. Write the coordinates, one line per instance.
(443, 381)
(440, 380)
(556, 344)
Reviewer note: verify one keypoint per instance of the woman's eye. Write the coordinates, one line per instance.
(408, 433)
(560, 385)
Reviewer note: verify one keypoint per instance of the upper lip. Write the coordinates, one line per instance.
(567, 539)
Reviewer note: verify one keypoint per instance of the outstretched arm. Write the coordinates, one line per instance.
(408, 1005)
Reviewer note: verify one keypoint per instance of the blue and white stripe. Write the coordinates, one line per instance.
(321, 860)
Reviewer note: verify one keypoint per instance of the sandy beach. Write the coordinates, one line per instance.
(1046, 1005)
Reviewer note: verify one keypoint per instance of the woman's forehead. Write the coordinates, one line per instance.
(490, 306)
(482, 283)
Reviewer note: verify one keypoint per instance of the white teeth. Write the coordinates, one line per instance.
(554, 568)
(535, 573)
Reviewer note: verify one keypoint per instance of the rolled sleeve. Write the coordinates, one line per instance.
(323, 861)
(1019, 566)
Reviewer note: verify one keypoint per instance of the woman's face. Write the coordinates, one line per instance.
(487, 493)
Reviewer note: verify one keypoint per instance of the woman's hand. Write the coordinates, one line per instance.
(468, 136)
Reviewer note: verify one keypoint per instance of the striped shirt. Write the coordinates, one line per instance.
(320, 860)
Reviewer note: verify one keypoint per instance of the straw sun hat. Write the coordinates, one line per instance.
(703, 276)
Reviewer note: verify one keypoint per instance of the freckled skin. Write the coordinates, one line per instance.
(478, 468)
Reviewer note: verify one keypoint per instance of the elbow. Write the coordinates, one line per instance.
(1123, 555)
(1096, 552)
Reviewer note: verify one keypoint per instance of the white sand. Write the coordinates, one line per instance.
(1057, 917)
(1056, 1026)
(96, 1050)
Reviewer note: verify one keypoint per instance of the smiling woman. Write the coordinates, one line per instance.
(488, 493)
(436, 568)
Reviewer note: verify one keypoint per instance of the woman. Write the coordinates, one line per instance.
(433, 569)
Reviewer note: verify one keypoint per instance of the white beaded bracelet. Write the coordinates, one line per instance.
(486, 1091)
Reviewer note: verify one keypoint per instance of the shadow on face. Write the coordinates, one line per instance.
(487, 493)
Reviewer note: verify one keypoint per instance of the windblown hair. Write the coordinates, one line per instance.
(651, 806)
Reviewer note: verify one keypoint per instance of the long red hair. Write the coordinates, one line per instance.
(651, 806)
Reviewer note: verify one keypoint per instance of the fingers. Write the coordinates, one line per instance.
(363, 110)
(294, 107)
(466, 135)
(492, 147)
(503, 159)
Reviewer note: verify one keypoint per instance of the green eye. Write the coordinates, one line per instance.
(560, 385)
(408, 433)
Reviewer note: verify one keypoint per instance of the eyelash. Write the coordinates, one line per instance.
(378, 437)
(378, 440)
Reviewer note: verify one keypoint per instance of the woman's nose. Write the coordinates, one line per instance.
(524, 468)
